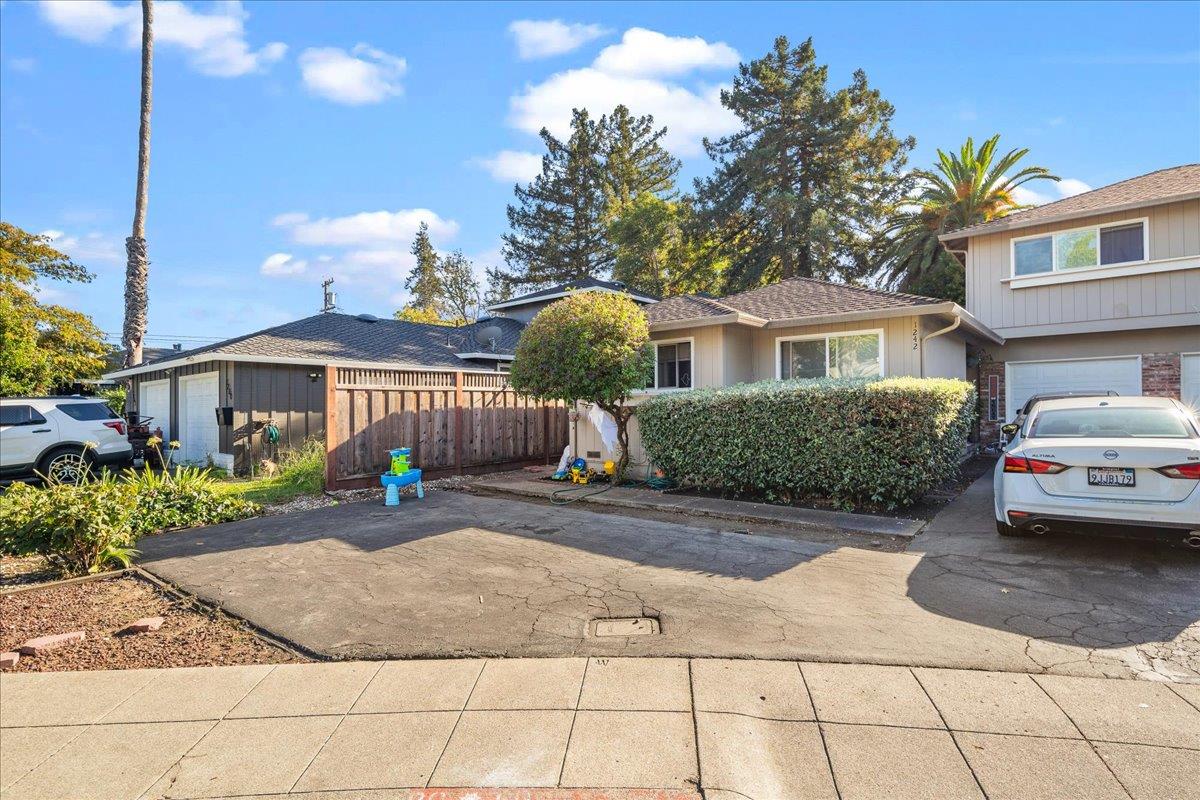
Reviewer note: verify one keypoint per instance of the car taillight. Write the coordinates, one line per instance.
(1191, 471)
(1035, 466)
(117, 425)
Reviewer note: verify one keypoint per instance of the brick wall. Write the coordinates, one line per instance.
(1160, 374)
(991, 378)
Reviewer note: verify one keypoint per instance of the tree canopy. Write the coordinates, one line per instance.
(444, 290)
(591, 347)
(801, 188)
(964, 189)
(43, 347)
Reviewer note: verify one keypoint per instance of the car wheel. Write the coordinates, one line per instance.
(65, 465)
(1007, 530)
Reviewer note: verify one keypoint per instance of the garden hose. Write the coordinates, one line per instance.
(271, 433)
(659, 484)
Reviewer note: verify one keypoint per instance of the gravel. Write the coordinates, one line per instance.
(309, 502)
(190, 636)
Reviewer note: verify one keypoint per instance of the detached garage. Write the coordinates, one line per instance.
(1024, 379)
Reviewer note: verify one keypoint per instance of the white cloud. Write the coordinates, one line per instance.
(689, 112)
(214, 41)
(283, 264)
(1067, 187)
(364, 75)
(511, 165)
(89, 248)
(551, 37)
(366, 228)
(646, 53)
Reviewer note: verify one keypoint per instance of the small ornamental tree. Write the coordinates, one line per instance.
(590, 346)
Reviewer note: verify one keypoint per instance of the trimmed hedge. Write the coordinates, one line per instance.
(879, 442)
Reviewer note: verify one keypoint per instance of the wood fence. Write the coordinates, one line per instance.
(454, 422)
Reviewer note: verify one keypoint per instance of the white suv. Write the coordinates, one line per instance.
(51, 436)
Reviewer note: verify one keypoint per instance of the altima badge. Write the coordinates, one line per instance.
(1111, 454)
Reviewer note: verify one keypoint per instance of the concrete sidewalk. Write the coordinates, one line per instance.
(769, 730)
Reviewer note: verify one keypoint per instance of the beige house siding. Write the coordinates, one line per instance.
(1163, 298)
(945, 355)
(901, 344)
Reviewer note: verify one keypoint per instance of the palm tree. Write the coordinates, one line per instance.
(967, 188)
(137, 267)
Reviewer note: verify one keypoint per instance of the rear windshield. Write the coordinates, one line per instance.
(1107, 423)
(87, 412)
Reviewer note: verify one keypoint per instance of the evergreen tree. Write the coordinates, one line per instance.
(460, 289)
(803, 186)
(557, 230)
(423, 282)
(635, 162)
(659, 250)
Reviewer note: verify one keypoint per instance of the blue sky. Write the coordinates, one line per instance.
(297, 140)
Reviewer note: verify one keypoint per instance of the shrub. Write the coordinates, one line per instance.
(880, 442)
(79, 528)
(183, 499)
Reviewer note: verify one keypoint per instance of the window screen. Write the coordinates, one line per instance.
(1033, 256)
(1122, 243)
(674, 366)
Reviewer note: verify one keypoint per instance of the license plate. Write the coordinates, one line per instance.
(1110, 476)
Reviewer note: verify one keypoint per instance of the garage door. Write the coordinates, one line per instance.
(198, 440)
(154, 400)
(1024, 379)
(1190, 379)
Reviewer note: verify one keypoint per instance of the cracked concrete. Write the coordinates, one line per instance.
(458, 575)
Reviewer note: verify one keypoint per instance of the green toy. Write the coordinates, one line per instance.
(400, 460)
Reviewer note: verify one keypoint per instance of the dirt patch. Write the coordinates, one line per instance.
(309, 502)
(190, 636)
(26, 570)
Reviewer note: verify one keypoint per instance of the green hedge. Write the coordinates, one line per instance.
(883, 442)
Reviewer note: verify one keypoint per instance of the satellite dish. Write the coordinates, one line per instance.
(367, 318)
(489, 334)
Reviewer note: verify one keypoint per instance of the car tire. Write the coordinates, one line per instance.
(1005, 529)
(69, 464)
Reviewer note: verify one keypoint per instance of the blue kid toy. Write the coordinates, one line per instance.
(401, 474)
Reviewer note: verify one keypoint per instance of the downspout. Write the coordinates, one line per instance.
(951, 327)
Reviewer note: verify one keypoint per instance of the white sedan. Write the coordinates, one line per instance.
(1122, 465)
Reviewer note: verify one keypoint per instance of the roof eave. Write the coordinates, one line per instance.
(210, 355)
(732, 318)
(966, 233)
(488, 356)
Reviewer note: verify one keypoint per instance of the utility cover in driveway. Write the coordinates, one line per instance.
(625, 626)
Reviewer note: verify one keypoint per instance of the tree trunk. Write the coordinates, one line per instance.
(621, 414)
(137, 265)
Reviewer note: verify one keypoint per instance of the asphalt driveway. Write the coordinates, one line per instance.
(459, 575)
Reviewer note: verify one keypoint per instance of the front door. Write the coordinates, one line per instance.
(198, 434)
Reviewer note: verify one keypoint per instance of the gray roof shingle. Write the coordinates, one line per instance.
(333, 338)
(788, 299)
(1163, 186)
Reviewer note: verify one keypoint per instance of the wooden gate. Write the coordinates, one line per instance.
(454, 422)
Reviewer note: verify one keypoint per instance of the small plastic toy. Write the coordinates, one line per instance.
(401, 474)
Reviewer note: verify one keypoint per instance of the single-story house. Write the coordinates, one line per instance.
(215, 400)
(800, 328)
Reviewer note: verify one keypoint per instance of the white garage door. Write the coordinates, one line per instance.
(154, 400)
(1190, 379)
(1024, 379)
(198, 439)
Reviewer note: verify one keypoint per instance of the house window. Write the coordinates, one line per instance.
(672, 366)
(993, 398)
(848, 355)
(1099, 246)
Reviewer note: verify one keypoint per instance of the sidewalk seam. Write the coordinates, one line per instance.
(1090, 743)
(820, 730)
(461, 711)
(562, 768)
(317, 754)
(950, 733)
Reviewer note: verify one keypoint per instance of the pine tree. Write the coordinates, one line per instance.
(423, 282)
(635, 162)
(803, 187)
(557, 223)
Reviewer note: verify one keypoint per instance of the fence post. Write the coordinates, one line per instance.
(458, 422)
(331, 442)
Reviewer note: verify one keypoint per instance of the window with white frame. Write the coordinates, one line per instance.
(1079, 248)
(672, 366)
(834, 355)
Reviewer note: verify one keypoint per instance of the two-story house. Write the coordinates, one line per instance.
(1097, 292)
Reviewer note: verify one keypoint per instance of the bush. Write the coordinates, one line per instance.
(183, 499)
(883, 442)
(78, 528)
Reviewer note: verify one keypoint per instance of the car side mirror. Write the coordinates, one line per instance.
(1010, 429)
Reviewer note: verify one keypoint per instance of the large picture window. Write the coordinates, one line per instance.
(1098, 246)
(672, 366)
(836, 355)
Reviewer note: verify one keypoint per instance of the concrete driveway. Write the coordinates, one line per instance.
(459, 575)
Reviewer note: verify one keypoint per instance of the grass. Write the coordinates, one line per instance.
(301, 472)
